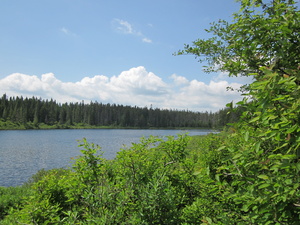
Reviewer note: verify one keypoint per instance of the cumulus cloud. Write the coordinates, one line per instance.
(125, 27)
(179, 80)
(135, 86)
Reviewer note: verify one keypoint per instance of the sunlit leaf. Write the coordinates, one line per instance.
(264, 177)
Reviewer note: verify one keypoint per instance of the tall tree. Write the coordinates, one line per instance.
(259, 180)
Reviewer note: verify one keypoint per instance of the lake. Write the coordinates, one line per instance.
(24, 152)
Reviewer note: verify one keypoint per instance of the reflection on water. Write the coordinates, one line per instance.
(23, 153)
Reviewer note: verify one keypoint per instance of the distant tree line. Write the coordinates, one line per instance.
(35, 110)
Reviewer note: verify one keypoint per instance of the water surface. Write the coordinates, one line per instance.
(24, 152)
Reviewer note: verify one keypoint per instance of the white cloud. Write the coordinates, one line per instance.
(179, 80)
(135, 86)
(64, 30)
(125, 27)
(67, 32)
(198, 96)
(147, 40)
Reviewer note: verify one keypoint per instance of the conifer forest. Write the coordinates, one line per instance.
(31, 112)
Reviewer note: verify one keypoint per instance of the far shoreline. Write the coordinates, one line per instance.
(8, 125)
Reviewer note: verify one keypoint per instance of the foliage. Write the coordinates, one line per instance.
(11, 197)
(265, 161)
(155, 181)
(257, 181)
(41, 174)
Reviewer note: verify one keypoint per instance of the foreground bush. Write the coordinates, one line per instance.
(11, 197)
(153, 182)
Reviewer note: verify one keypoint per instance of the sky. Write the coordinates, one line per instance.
(116, 51)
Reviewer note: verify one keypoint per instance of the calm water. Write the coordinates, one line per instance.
(24, 152)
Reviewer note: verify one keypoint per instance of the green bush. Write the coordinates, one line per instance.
(11, 197)
(156, 181)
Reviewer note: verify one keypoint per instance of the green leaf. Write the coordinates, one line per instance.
(257, 147)
(246, 136)
(288, 181)
(209, 220)
(289, 157)
(254, 119)
(263, 186)
(197, 172)
(264, 177)
(229, 105)
(272, 117)
(292, 129)
(237, 156)
(221, 148)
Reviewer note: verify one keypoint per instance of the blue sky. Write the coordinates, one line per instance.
(113, 51)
